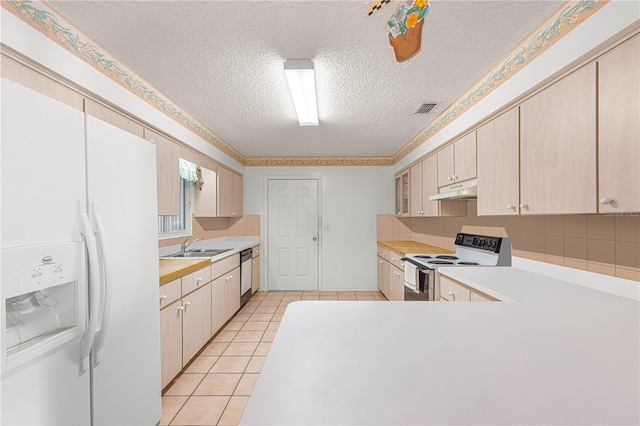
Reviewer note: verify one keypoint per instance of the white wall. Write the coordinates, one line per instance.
(351, 197)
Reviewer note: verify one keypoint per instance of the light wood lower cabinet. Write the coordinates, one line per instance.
(196, 322)
(390, 274)
(218, 303)
(255, 274)
(395, 276)
(454, 291)
(185, 321)
(225, 298)
(170, 342)
(192, 309)
(383, 276)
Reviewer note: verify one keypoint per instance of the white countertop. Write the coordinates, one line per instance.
(236, 244)
(559, 353)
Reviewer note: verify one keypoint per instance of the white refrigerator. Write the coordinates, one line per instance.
(80, 338)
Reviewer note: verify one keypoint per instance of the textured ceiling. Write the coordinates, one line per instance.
(222, 62)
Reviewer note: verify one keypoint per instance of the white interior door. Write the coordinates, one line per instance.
(292, 234)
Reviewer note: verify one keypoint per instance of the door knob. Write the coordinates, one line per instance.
(314, 238)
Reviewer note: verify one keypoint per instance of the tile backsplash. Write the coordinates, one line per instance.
(603, 244)
(215, 227)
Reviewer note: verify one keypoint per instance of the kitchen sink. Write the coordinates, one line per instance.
(199, 253)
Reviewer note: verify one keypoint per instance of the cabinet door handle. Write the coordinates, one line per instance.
(452, 294)
(605, 200)
(511, 207)
(163, 297)
(523, 206)
(180, 308)
(455, 177)
(450, 178)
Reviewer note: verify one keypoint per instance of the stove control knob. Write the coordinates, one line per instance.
(476, 241)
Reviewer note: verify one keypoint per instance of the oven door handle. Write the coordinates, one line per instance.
(419, 265)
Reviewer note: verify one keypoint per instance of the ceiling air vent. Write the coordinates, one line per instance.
(424, 108)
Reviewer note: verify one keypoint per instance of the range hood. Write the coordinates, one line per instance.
(458, 191)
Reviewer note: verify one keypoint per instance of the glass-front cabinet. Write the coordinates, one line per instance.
(402, 193)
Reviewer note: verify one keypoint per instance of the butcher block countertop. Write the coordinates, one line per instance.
(405, 247)
(170, 269)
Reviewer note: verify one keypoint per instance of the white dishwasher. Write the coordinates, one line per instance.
(245, 275)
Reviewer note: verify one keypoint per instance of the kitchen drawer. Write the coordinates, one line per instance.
(394, 258)
(256, 251)
(169, 293)
(481, 297)
(453, 291)
(195, 279)
(225, 265)
(383, 252)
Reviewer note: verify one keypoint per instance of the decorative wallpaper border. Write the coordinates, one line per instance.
(561, 23)
(317, 161)
(51, 24)
(47, 21)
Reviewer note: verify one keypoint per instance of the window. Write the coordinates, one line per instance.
(180, 225)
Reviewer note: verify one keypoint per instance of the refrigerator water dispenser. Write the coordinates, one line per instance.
(43, 306)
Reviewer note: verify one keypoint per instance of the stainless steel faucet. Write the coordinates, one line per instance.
(184, 245)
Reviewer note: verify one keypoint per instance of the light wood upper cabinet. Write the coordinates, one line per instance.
(558, 146)
(457, 161)
(464, 153)
(619, 128)
(206, 199)
(416, 193)
(430, 185)
(445, 165)
(498, 165)
(167, 168)
(229, 193)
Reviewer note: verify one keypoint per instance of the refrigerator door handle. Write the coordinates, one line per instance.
(105, 309)
(86, 342)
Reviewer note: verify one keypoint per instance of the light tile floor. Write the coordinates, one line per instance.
(216, 386)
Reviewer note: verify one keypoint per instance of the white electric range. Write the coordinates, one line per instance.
(471, 250)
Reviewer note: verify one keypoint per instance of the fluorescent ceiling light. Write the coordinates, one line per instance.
(302, 85)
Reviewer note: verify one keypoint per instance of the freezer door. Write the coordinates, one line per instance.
(122, 198)
(43, 168)
(44, 282)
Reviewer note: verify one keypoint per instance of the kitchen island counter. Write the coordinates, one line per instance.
(559, 353)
